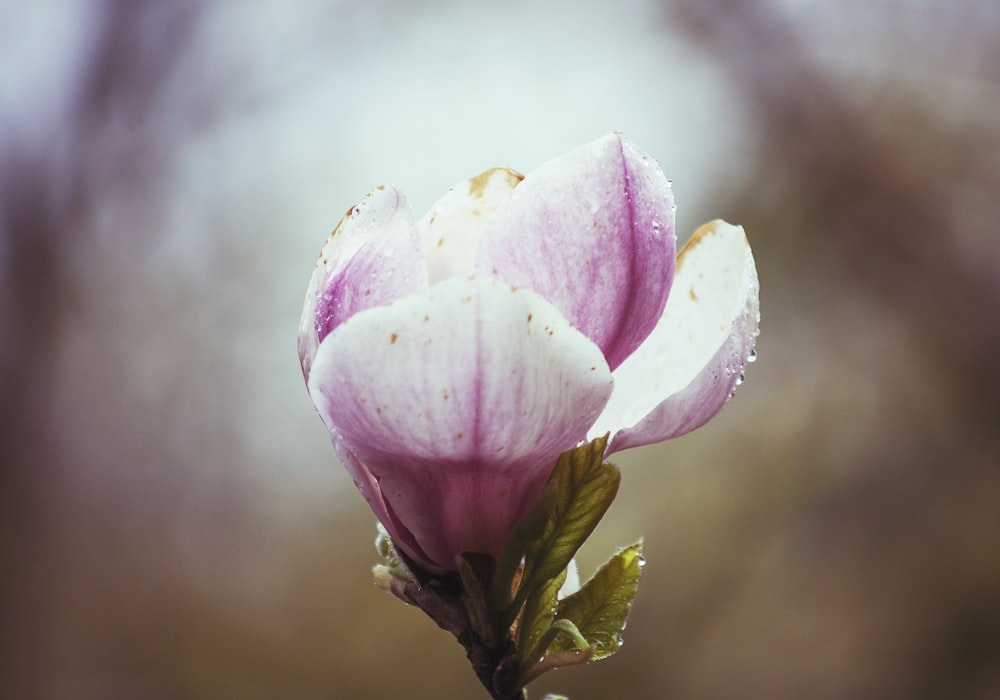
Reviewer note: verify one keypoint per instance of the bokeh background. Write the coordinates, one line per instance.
(174, 523)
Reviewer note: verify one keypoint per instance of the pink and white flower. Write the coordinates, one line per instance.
(454, 358)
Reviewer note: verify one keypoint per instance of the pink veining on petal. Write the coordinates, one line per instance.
(372, 257)
(369, 487)
(458, 400)
(592, 232)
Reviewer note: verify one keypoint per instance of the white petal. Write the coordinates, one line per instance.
(448, 232)
(691, 363)
(572, 583)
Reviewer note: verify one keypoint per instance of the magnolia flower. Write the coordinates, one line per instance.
(454, 358)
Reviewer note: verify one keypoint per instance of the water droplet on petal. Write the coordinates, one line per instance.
(740, 379)
(752, 357)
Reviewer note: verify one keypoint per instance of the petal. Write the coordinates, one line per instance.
(458, 400)
(449, 231)
(371, 258)
(592, 232)
(696, 354)
(366, 483)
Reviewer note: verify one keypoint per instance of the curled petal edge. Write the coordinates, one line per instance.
(718, 255)
(371, 258)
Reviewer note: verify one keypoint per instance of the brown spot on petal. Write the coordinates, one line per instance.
(694, 297)
(393, 338)
(460, 435)
(440, 241)
(336, 229)
(477, 184)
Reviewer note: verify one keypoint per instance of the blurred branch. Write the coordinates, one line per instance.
(47, 198)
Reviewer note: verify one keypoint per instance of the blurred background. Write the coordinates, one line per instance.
(174, 523)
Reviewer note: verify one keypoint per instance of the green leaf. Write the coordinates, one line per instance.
(600, 608)
(539, 612)
(576, 497)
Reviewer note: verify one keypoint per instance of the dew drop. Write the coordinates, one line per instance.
(642, 562)
(740, 379)
(752, 357)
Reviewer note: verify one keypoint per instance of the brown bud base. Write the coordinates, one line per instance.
(447, 602)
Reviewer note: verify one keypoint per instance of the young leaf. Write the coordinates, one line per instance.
(576, 497)
(385, 548)
(600, 608)
(539, 612)
(392, 576)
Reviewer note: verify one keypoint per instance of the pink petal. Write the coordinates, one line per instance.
(592, 232)
(458, 400)
(366, 483)
(372, 257)
(694, 359)
(449, 231)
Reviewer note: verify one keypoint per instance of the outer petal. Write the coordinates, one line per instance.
(592, 232)
(458, 400)
(371, 258)
(449, 231)
(368, 486)
(696, 355)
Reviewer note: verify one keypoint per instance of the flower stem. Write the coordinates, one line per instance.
(495, 663)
